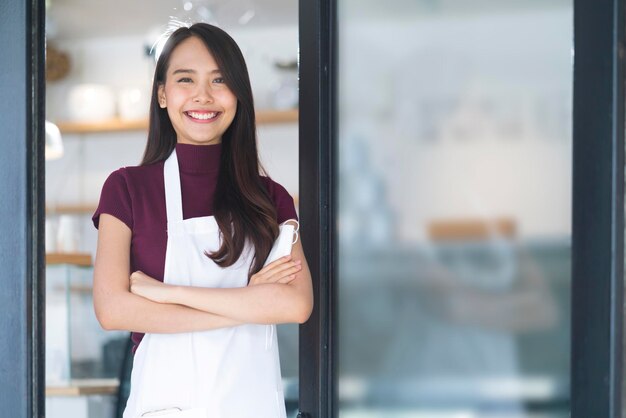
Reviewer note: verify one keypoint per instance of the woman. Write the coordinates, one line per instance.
(194, 223)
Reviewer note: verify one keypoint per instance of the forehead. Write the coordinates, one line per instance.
(192, 54)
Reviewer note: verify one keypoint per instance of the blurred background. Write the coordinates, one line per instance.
(453, 193)
(454, 208)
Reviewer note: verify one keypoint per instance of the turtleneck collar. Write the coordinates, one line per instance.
(198, 158)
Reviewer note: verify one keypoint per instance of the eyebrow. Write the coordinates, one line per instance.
(187, 71)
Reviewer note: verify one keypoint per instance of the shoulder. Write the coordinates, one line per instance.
(283, 201)
(117, 180)
(137, 173)
(136, 179)
(122, 187)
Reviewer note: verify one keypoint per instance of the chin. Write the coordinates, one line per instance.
(207, 141)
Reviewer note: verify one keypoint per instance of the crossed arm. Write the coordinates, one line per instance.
(160, 308)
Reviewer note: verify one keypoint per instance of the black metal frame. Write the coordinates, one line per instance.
(598, 209)
(22, 213)
(317, 341)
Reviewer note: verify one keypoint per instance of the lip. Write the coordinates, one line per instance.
(217, 115)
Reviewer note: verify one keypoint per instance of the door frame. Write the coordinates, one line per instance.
(598, 209)
(317, 133)
(22, 210)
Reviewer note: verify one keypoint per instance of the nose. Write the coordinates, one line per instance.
(203, 95)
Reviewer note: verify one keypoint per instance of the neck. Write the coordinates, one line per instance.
(198, 158)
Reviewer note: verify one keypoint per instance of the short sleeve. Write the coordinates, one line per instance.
(285, 207)
(115, 200)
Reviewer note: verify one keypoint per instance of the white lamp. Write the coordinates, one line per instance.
(54, 143)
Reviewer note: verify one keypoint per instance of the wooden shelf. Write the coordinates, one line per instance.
(87, 209)
(81, 387)
(77, 288)
(266, 117)
(471, 229)
(113, 125)
(77, 259)
(120, 125)
(70, 209)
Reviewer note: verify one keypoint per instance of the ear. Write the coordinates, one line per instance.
(161, 96)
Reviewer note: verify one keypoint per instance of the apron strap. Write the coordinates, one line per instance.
(173, 194)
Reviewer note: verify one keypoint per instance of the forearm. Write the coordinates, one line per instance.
(260, 304)
(129, 312)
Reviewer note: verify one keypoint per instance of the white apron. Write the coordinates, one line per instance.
(229, 372)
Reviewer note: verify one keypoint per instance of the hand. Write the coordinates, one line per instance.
(143, 285)
(282, 270)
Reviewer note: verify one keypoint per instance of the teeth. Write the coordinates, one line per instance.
(203, 116)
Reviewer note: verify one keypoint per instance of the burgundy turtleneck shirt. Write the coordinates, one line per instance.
(136, 196)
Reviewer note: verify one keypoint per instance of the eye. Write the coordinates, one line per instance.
(184, 79)
(219, 80)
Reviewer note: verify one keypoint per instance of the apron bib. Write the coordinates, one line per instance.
(229, 372)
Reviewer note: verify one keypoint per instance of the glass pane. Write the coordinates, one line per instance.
(454, 208)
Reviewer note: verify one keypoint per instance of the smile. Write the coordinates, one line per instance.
(202, 116)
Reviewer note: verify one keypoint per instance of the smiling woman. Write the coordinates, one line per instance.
(117, 46)
(183, 240)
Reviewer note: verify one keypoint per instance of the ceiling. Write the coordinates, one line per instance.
(72, 19)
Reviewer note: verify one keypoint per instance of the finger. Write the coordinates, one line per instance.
(271, 275)
(281, 267)
(291, 271)
(284, 273)
(278, 261)
(257, 279)
(275, 276)
(275, 263)
(287, 279)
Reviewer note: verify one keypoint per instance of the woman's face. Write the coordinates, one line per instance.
(199, 104)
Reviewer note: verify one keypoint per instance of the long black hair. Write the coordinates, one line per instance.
(242, 206)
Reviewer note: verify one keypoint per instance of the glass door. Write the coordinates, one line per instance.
(453, 210)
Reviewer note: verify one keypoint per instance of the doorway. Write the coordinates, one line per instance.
(335, 386)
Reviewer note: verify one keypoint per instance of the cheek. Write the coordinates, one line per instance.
(175, 95)
(229, 99)
(171, 112)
